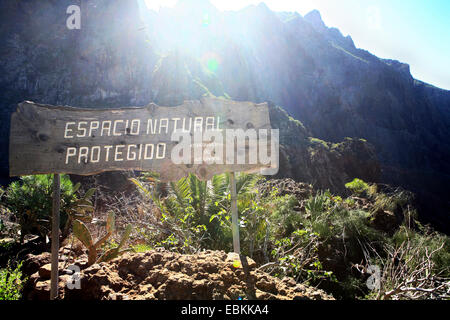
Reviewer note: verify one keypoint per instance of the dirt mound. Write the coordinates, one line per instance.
(163, 274)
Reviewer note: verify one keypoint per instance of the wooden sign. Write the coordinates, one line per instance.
(57, 139)
(205, 137)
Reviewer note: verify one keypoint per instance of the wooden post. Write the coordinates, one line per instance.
(234, 213)
(55, 236)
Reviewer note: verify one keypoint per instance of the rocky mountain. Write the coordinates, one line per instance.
(126, 55)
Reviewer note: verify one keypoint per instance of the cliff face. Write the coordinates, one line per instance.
(325, 165)
(124, 55)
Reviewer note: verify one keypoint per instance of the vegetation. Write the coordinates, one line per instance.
(197, 211)
(417, 266)
(338, 244)
(30, 200)
(81, 231)
(11, 282)
(332, 242)
(319, 142)
(357, 186)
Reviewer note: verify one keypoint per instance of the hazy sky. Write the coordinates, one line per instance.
(416, 32)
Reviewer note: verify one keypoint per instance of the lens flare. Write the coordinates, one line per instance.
(206, 21)
(213, 64)
(211, 61)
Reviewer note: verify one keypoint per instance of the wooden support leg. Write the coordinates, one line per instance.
(234, 212)
(55, 237)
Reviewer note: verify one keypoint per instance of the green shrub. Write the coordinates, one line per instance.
(317, 205)
(297, 256)
(357, 186)
(255, 212)
(198, 212)
(330, 217)
(397, 201)
(11, 283)
(284, 218)
(30, 200)
(426, 242)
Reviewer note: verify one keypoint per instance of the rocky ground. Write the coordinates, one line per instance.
(163, 274)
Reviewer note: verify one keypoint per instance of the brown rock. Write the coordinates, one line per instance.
(384, 221)
(167, 275)
(32, 262)
(45, 271)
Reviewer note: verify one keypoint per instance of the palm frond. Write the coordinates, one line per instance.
(245, 182)
(182, 191)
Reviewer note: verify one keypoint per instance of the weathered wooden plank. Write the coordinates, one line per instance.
(55, 236)
(57, 139)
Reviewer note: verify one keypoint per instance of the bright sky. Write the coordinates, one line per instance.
(416, 32)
